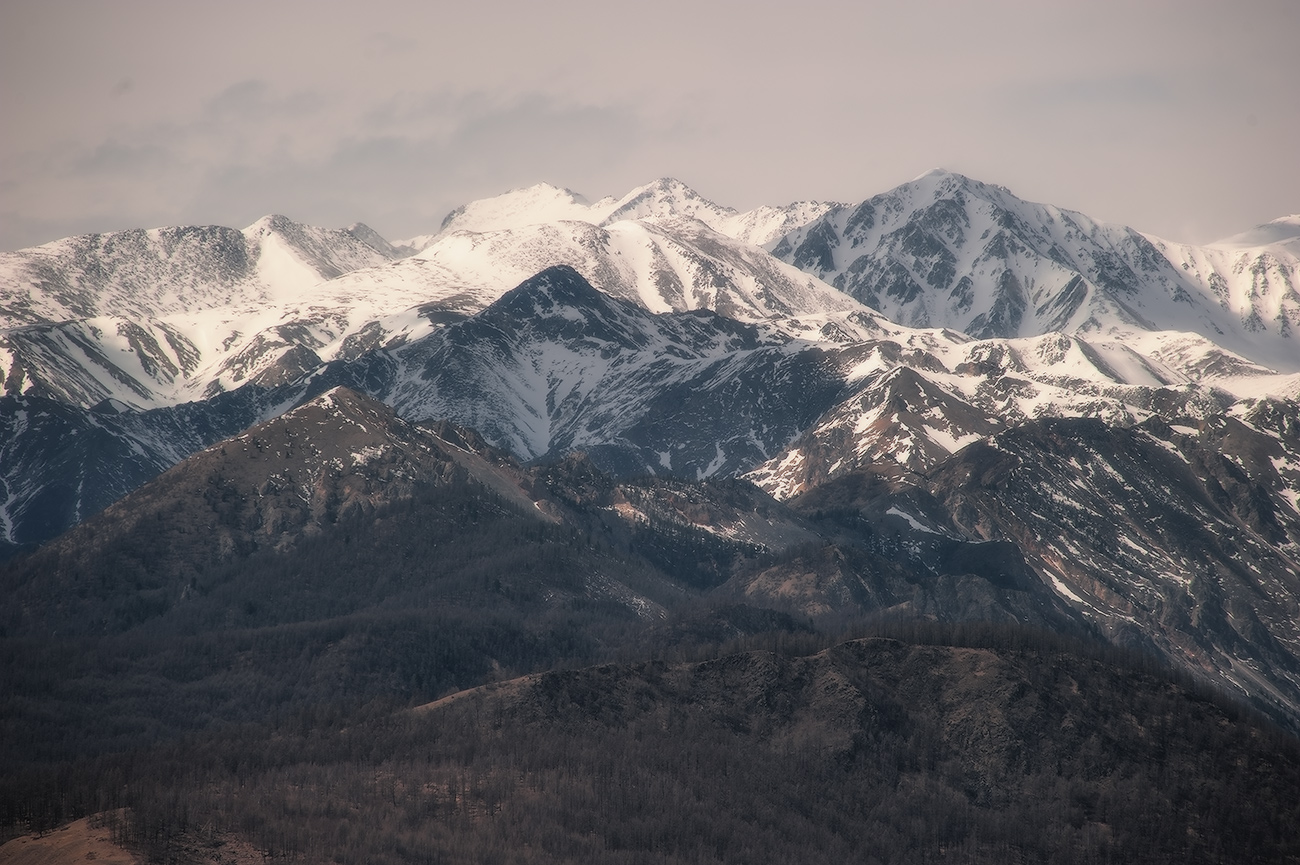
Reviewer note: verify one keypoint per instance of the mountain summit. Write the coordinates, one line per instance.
(947, 251)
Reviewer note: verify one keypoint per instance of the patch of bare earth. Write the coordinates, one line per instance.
(79, 841)
(90, 840)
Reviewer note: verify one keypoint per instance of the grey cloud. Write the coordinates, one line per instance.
(403, 182)
(386, 44)
(400, 166)
(255, 99)
(242, 98)
(394, 113)
(113, 158)
(439, 109)
(1095, 92)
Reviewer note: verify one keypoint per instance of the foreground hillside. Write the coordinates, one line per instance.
(343, 636)
(875, 750)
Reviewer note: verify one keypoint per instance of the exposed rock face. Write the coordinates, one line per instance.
(1151, 534)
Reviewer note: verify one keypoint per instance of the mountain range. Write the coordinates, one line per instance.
(647, 424)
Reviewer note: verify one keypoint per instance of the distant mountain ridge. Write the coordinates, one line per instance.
(665, 197)
(156, 272)
(291, 306)
(163, 316)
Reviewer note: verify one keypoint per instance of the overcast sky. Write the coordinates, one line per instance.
(1178, 118)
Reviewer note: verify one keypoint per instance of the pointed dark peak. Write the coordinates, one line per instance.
(342, 402)
(562, 303)
(560, 285)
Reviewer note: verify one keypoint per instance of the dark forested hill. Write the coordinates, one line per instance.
(344, 636)
(875, 750)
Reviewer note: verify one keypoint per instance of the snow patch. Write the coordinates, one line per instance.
(911, 520)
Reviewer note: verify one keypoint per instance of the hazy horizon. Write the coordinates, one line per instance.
(1178, 119)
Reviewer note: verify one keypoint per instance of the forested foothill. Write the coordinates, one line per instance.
(492, 662)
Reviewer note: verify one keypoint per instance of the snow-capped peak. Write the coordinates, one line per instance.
(668, 196)
(944, 250)
(541, 202)
(268, 224)
(662, 198)
(938, 172)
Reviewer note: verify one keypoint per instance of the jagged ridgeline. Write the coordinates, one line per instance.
(608, 486)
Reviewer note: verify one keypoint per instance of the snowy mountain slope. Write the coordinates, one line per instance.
(155, 362)
(1257, 286)
(190, 314)
(667, 196)
(85, 361)
(528, 205)
(1284, 231)
(145, 316)
(556, 365)
(665, 264)
(1026, 441)
(281, 319)
(378, 242)
(948, 251)
(552, 366)
(913, 396)
(765, 225)
(157, 272)
(916, 397)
